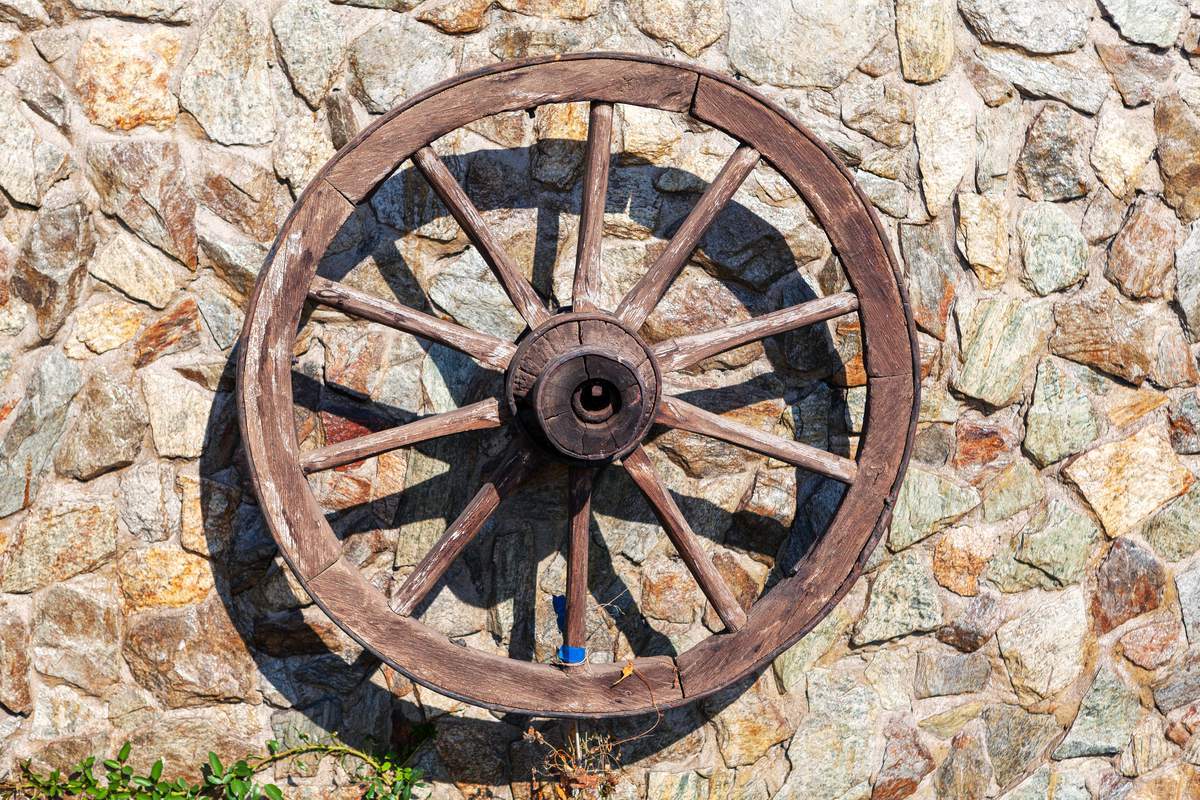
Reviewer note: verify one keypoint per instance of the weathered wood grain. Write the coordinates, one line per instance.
(486, 348)
(477, 416)
(519, 290)
(681, 352)
(591, 214)
(691, 552)
(650, 288)
(514, 466)
(579, 506)
(376, 152)
(264, 390)
(843, 212)
(676, 413)
(505, 684)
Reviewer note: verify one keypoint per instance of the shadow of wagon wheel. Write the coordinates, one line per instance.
(314, 677)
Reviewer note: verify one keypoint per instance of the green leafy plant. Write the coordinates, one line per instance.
(380, 777)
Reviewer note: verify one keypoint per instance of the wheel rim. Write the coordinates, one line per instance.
(780, 616)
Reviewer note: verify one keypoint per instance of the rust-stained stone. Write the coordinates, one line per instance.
(1139, 73)
(669, 591)
(1153, 645)
(1053, 164)
(144, 182)
(52, 268)
(76, 630)
(1129, 340)
(107, 433)
(1130, 582)
(960, 557)
(932, 270)
(976, 624)
(1178, 129)
(244, 194)
(455, 16)
(906, 761)
(74, 534)
(982, 441)
(104, 326)
(966, 773)
(163, 577)
(191, 656)
(14, 659)
(1128, 480)
(122, 74)
(1142, 258)
(179, 329)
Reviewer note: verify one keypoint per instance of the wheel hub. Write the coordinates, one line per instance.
(584, 386)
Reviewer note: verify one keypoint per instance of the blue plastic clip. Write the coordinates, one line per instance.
(572, 656)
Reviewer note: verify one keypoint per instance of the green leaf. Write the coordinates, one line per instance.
(111, 765)
(214, 764)
(123, 755)
(156, 770)
(272, 792)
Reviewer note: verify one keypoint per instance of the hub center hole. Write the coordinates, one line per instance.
(595, 400)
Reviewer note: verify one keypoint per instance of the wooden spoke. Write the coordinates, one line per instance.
(477, 416)
(644, 296)
(682, 352)
(580, 507)
(591, 213)
(488, 349)
(514, 466)
(639, 467)
(519, 290)
(676, 413)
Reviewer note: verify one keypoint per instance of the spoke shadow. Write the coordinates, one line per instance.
(313, 675)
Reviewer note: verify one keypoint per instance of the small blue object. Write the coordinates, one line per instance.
(560, 611)
(572, 655)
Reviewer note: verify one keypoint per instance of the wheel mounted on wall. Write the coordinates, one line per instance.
(581, 386)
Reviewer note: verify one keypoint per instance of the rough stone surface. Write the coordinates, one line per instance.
(1125, 339)
(903, 600)
(1155, 22)
(1016, 739)
(382, 74)
(1187, 272)
(1130, 582)
(1128, 480)
(107, 433)
(850, 29)
(76, 630)
(1058, 26)
(231, 61)
(950, 674)
(966, 772)
(310, 41)
(1077, 79)
(945, 141)
(123, 75)
(932, 272)
(690, 25)
(136, 269)
(1178, 130)
(179, 411)
(1142, 256)
(1042, 647)
(925, 31)
(1059, 543)
(1139, 73)
(1000, 339)
(144, 182)
(1123, 145)
(1188, 586)
(51, 270)
(1174, 532)
(27, 446)
(1053, 250)
(31, 162)
(1053, 164)
(57, 541)
(983, 236)
(1061, 421)
(190, 656)
(926, 504)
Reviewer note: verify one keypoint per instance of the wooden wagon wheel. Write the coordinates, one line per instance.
(581, 386)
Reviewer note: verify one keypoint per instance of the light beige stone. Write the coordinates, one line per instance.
(1043, 648)
(925, 32)
(983, 236)
(123, 75)
(163, 577)
(1128, 480)
(1123, 145)
(945, 133)
(104, 326)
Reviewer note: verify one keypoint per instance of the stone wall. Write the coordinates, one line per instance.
(1030, 627)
